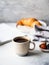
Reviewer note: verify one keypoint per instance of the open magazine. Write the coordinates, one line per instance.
(8, 33)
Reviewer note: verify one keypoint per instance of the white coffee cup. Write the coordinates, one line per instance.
(22, 44)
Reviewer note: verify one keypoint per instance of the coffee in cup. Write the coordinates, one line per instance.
(22, 44)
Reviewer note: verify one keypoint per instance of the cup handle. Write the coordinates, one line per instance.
(33, 47)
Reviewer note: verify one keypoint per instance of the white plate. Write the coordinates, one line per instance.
(27, 29)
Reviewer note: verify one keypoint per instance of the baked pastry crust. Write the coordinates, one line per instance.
(28, 22)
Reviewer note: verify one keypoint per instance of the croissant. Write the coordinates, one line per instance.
(28, 22)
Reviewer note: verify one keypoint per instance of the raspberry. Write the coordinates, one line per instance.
(43, 46)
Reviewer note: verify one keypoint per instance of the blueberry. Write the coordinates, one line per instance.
(48, 46)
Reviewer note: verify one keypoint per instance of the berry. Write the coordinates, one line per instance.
(43, 46)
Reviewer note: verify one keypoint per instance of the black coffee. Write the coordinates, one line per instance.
(20, 39)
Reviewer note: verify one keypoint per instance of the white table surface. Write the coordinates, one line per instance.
(8, 55)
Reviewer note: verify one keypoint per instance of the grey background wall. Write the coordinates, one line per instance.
(13, 10)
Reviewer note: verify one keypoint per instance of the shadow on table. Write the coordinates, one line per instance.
(35, 53)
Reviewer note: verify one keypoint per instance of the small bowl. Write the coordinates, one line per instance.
(44, 50)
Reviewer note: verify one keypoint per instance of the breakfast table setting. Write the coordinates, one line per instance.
(38, 35)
